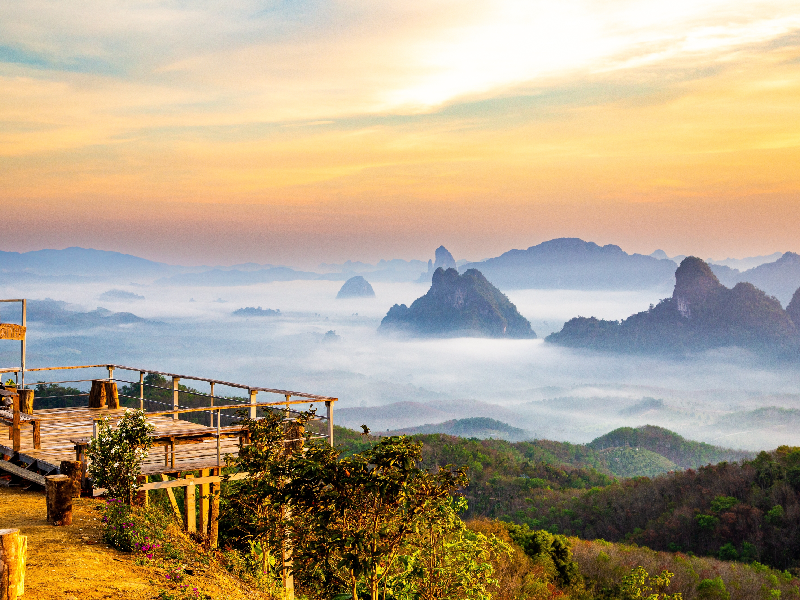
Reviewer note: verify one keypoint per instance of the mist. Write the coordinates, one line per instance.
(552, 392)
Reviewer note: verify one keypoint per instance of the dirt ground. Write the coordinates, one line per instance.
(72, 563)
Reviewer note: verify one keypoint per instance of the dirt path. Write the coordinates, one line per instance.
(72, 563)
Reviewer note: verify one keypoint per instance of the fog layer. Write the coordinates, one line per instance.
(553, 392)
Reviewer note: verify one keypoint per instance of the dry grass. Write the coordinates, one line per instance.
(71, 563)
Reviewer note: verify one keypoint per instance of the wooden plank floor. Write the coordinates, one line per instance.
(61, 425)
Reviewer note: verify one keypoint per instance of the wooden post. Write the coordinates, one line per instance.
(213, 518)
(142, 498)
(141, 390)
(26, 401)
(112, 395)
(13, 558)
(190, 506)
(97, 395)
(286, 555)
(253, 400)
(59, 499)
(175, 388)
(211, 412)
(37, 435)
(204, 497)
(329, 406)
(16, 442)
(74, 470)
(110, 372)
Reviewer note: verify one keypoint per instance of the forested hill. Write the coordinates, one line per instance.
(686, 454)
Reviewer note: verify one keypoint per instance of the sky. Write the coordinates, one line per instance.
(312, 131)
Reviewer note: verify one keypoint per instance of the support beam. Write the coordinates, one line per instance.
(172, 501)
(190, 505)
(205, 490)
(16, 441)
(213, 517)
(329, 406)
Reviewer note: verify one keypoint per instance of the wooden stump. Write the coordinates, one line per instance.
(74, 470)
(112, 395)
(13, 557)
(26, 401)
(98, 397)
(59, 499)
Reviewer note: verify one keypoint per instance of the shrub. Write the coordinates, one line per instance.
(116, 454)
(712, 589)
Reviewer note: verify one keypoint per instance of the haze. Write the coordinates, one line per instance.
(297, 133)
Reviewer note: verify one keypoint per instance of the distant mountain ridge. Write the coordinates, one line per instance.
(472, 427)
(571, 263)
(458, 305)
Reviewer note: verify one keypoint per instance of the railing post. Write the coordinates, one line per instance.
(110, 372)
(329, 406)
(253, 400)
(211, 412)
(22, 348)
(141, 390)
(175, 388)
(204, 505)
(219, 417)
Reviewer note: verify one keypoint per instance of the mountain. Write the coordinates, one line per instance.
(780, 278)
(571, 263)
(459, 305)
(356, 287)
(81, 262)
(475, 427)
(702, 313)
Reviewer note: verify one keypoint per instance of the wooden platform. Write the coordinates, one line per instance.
(178, 445)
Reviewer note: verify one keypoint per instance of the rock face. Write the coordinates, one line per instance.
(695, 285)
(793, 309)
(459, 305)
(356, 287)
(701, 314)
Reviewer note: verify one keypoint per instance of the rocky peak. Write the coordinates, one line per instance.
(444, 259)
(695, 284)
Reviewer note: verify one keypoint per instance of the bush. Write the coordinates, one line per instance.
(116, 455)
(712, 589)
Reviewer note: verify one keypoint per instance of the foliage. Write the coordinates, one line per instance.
(446, 559)
(603, 564)
(53, 395)
(116, 455)
(544, 546)
(120, 529)
(640, 584)
(356, 523)
(712, 589)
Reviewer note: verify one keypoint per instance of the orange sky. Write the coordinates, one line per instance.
(320, 132)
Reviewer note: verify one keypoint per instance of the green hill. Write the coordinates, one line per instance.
(685, 454)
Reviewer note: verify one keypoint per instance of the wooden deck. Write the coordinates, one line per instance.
(178, 445)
